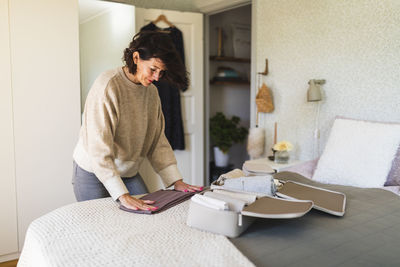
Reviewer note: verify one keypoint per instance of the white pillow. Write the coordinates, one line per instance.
(358, 153)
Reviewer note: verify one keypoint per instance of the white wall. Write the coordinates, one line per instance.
(354, 45)
(103, 39)
(45, 84)
(8, 201)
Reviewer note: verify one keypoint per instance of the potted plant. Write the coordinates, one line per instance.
(224, 133)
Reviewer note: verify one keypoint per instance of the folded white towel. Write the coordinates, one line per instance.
(234, 204)
(248, 198)
(210, 202)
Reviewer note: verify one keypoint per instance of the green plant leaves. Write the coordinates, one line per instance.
(225, 132)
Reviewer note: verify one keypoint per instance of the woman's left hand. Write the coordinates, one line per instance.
(184, 187)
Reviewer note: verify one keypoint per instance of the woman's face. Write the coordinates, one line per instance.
(148, 71)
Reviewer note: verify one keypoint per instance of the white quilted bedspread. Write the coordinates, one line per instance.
(98, 233)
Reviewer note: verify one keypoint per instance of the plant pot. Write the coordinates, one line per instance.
(282, 157)
(221, 158)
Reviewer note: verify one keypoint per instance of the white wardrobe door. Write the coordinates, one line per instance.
(45, 77)
(8, 206)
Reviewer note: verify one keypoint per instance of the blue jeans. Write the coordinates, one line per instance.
(87, 186)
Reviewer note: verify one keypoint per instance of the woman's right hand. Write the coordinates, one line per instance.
(136, 204)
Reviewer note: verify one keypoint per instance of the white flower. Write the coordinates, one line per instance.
(283, 146)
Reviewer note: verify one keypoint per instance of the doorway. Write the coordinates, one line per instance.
(227, 76)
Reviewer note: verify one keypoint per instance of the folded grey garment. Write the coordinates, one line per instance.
(257, 184)
(234, 204)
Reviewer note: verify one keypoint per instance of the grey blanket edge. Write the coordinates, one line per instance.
(369, 232)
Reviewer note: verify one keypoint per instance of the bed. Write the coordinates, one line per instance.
(98, 233)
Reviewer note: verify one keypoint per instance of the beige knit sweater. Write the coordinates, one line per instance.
(123, 124)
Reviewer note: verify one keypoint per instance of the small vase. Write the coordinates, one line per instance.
(282, 157)
(221, 158)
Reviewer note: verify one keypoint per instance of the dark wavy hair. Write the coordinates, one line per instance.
(157, 45)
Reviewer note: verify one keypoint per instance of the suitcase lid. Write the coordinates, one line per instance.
(328, 201)
(276, 208)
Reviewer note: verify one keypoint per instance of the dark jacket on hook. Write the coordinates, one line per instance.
(170, 95)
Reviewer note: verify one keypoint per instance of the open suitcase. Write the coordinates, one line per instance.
(292, 200)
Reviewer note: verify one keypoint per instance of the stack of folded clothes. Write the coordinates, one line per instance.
(233, 191)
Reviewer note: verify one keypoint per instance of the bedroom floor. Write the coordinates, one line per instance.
(9, 263)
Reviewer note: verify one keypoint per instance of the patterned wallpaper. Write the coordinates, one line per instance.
(353, 44)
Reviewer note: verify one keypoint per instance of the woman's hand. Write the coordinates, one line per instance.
(136, 204)
(184, 187)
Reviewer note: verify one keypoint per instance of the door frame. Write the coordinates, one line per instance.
(207, 141)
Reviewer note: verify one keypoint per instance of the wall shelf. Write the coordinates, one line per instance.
(229, 82)
(231, 59)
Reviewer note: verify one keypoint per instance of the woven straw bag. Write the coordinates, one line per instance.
(264, 100)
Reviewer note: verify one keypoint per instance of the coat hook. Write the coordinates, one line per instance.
(266, 68)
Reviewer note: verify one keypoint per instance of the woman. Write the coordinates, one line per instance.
(123, 124)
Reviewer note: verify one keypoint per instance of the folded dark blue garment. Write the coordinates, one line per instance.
(164, 199)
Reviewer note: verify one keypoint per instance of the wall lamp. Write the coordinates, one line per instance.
(314, 90)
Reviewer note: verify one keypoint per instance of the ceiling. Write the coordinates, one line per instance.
(91, 8)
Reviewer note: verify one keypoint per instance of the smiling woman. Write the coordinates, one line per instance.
(155, 53)
(151, 70)
(123, 124)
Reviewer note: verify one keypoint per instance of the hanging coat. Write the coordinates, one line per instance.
(170, 95)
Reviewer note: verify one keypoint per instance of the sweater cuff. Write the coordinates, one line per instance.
(116, 187)
(170, 175)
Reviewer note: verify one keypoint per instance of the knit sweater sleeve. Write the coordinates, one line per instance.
(161, 155)
(101, 120)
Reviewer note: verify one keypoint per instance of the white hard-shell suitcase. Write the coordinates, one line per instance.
(298, 199)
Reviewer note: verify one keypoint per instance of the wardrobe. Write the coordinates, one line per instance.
(40, 113)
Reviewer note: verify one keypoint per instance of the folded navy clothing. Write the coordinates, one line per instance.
(164, 199)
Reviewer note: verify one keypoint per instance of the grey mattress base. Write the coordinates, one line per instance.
(367, 235)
